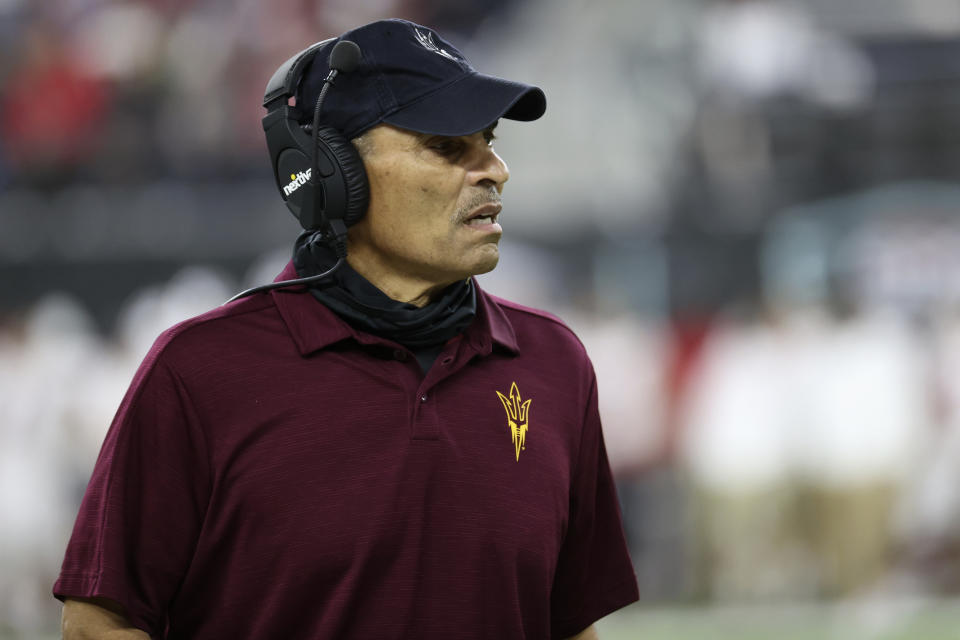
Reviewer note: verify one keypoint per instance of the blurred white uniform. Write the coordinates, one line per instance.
(799, 435)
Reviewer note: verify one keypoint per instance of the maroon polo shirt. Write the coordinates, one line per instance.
(274, 473)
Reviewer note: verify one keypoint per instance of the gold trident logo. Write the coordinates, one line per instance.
(518, 414)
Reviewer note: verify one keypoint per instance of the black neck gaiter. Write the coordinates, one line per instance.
(365, 307)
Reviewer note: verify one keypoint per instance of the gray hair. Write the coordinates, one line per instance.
(363, 143)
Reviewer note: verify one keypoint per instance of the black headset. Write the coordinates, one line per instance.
(318, 171)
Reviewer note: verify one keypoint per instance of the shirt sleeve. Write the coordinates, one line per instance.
(594, 573)
(141, 514)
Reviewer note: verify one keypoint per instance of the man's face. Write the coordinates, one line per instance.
(434, 202)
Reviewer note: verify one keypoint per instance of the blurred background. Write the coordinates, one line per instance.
(748, 210)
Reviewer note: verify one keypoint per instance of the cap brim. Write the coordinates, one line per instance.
(470, 104)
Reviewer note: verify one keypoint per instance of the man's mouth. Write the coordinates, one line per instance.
(484, 215)
(481, 220)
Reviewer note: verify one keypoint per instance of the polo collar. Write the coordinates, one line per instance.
(313, 326)
(491, 325)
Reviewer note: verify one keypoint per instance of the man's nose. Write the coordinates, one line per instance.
(490, 169)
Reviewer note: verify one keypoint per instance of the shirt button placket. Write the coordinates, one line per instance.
(425, 419)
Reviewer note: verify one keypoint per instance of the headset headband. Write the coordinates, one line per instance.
(283, 82)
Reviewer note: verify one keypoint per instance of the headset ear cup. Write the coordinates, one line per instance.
(354, 174)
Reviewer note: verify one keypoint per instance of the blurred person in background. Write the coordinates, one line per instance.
(801, 425)
(51, 110)
(388, 451)
(929, 521)
(50, 346)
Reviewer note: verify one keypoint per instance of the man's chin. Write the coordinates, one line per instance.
(488, 262)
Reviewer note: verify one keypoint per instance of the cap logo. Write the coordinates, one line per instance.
(425, 38)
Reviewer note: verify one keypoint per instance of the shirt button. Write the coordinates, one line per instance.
(400, 355)
(423, 398)
(446, 360)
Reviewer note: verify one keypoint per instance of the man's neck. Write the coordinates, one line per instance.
(398, 286)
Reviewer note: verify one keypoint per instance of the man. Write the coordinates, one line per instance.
(392, 453)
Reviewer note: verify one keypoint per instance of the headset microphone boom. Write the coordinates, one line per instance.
(318, 171)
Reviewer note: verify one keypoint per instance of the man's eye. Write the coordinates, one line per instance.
(446, 147)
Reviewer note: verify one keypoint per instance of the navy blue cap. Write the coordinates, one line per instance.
(412, 78)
